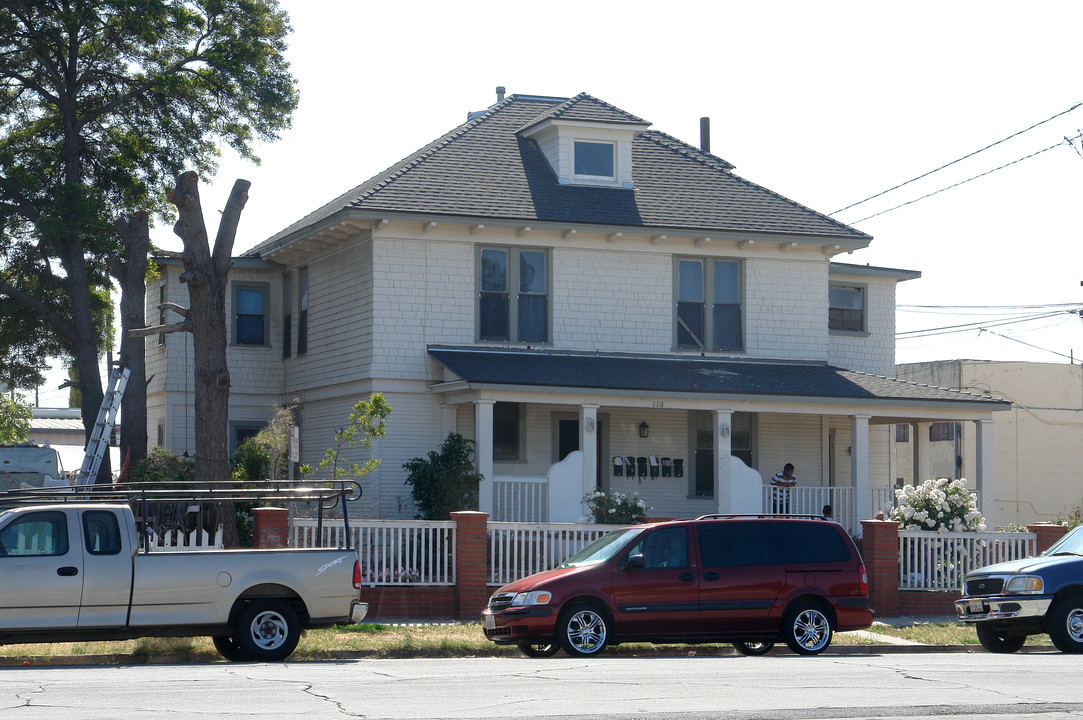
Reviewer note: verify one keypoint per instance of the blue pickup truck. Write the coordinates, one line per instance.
(1008, 601)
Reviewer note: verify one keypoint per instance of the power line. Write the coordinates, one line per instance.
(953, 162)
(1036, 347)
(1066, 141)
(990, 307)
(966, 327)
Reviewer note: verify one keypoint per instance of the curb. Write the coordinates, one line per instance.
(337, 655)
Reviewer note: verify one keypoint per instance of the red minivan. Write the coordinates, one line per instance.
(747, 580)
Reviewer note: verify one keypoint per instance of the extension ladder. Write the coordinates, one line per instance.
(98, 444)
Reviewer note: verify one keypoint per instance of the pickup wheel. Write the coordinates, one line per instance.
(228, 648)
(1065, 624)
(267, 630)
(999, 641)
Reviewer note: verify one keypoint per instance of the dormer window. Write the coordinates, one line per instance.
(595, 159)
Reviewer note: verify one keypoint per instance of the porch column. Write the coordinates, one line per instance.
(448, 421)
(922, 471)
(984, 454)
(483, 452)
(724, 490)
(859, 469)
(588, 443)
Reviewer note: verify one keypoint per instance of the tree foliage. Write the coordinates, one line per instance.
(102, 104)
(365, 423)
(445, 481)
(15, 418)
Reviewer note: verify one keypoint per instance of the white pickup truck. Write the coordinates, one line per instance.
(75, 571)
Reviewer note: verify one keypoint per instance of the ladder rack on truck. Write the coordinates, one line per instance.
(141, 495)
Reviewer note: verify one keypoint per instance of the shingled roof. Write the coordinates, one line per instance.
(486, 168)
(686, 374)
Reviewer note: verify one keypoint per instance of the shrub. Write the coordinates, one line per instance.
(941, 505)
(615, 508)
(445, 481)
(1074, 518)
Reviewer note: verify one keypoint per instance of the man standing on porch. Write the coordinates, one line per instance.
(781, 482)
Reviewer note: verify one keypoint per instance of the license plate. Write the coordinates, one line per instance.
(490, 622)
(976, 606)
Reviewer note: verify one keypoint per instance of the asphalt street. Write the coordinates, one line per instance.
(890, 685)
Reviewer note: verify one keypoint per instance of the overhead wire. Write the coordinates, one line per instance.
(963, 182)
(954, 162)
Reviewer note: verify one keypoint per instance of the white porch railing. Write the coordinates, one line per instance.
(940, 561)
(520, 501)
(883, 499)
(520, 549)
(180, 541)
(811, 501)
(392, 552)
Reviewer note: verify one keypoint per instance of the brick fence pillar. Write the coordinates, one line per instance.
(880, 551)
(1047, 534)
(471, 563)
(270, 527)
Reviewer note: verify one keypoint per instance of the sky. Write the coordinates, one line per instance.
(826, 103)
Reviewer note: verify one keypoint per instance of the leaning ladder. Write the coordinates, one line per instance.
(98, 444)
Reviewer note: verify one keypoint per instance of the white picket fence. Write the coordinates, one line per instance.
(520, 549)
(940, 561)
(392, 552)
(180, 541)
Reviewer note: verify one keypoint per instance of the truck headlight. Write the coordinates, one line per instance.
(1025, 584)
(536, 597)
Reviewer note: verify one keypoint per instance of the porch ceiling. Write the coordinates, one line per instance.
(618, 373)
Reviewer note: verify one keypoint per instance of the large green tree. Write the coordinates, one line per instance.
(102, 104)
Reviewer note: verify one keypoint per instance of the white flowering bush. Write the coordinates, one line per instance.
(614, 508)
(940, 505)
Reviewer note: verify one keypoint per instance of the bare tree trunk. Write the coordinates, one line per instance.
(131, 272)
(207, 277)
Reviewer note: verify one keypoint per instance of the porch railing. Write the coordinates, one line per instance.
(520, 500)
(392, 552)
(940, 561)
(520, 549)
(883, 499)
(811, 501)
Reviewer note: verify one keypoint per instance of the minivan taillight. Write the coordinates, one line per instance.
(862, 581)
(357, 574)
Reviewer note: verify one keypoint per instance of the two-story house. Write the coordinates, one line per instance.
(554, 276)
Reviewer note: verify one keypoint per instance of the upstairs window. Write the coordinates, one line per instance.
(250, 313)
(287, 314)
(513, 295)
(161, 311)
(708, 307)
(594, 159)
(846, 308)
(302, 314)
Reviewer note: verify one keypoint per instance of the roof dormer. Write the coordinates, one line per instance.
(587, 141)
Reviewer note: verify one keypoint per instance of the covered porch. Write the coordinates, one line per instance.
(690, 435)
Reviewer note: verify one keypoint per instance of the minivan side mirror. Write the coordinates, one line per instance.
(633, 562)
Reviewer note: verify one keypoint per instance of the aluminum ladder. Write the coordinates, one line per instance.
(98, 444)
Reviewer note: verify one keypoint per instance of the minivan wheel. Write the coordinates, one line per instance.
(807, 629)
(753, 648)
(538, 650)
(583, 631)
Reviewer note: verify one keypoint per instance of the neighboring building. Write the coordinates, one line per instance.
(1039, 444)
(554, 276)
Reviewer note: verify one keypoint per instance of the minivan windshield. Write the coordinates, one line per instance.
(1070, 544)
(602, 549)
